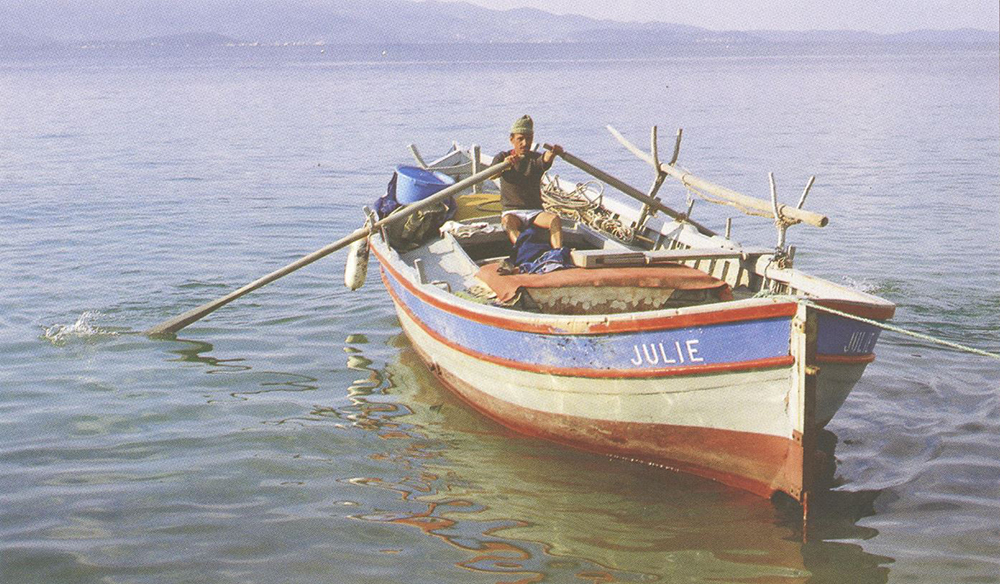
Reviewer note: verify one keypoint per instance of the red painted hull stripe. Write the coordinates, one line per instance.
(769, 363)
(616, 326)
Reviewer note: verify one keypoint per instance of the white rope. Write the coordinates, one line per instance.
(897, 329)
(577, 205)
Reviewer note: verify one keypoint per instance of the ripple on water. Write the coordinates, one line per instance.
(888, 288)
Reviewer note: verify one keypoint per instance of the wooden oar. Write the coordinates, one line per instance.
(178, 322)
(630, 190)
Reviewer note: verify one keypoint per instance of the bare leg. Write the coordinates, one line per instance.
(551, 222)
(512, 225)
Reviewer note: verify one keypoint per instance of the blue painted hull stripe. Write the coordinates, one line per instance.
(701, 346)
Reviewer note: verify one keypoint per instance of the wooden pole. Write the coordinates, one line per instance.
(805, 193)
(731, 197)
(417, 156)
(655, 152)
(658, 177)
(677, 147)
(175, 324)
(477, 165)
(780, 223)
(630, 190)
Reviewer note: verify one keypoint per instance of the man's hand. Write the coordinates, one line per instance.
(513, 158)
(550, 154)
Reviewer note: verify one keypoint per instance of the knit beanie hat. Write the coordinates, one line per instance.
(523, 125)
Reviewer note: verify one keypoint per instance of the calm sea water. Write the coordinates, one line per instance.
(294, 436)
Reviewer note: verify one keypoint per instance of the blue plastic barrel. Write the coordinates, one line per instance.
(415, 184)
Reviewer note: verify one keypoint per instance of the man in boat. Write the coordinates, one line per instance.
(521, 185)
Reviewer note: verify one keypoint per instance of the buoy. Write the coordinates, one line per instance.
(356, 270)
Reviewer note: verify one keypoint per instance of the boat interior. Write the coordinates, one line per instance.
(608, 276)
(667, 264)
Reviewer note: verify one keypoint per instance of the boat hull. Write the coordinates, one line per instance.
(621, 419)
(732, 395)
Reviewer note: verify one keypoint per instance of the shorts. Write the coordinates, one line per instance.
(525, 215)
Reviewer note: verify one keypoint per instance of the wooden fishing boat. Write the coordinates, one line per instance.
(666, 343)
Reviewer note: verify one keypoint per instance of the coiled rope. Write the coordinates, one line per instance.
(577, 205)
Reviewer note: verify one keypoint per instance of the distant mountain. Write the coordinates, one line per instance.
(37, 22)
(819, 36)
(963, 35)
(190, 39)
(662, 33)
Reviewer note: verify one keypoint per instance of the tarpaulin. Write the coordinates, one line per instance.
(671, 276)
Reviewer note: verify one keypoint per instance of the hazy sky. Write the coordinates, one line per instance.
(884, 16)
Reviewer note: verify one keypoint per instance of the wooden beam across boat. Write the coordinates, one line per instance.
(599, 258)
(728, 196)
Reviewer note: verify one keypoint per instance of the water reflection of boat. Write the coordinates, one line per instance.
(666, 344)
(521, 508)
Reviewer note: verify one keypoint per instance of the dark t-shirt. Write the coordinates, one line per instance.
(521, 186)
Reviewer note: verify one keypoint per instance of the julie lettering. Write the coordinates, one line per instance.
(671, 354)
